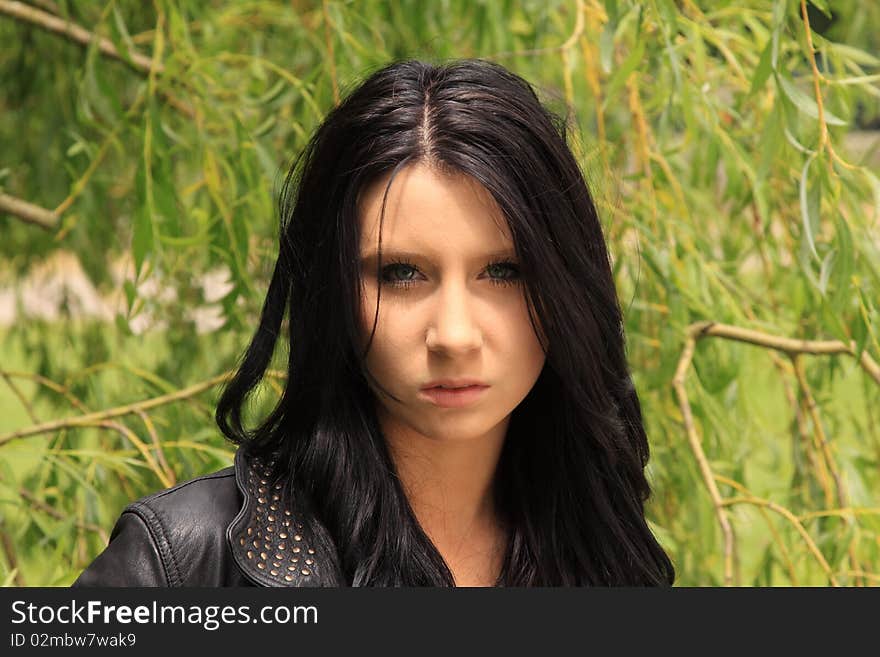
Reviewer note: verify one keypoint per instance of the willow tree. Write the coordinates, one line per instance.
(730, 148)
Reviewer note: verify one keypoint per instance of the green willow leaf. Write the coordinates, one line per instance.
(826, 269)
(822, 5)
(809, 207)
(620, 75)
(842, 279)
(142, 236)
(120, 36)
(763, 70)
(606, 48)
(803, 102)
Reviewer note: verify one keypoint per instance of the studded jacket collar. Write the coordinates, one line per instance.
(273, 543)
(228, 528)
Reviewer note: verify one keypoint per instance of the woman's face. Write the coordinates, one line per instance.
(452, 307)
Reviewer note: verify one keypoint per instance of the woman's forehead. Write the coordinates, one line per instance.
(425, 209)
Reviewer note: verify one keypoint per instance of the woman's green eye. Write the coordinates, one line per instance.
(387, 274)
(502, 267)
(403, 274)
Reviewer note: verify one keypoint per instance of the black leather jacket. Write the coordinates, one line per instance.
(228, 528)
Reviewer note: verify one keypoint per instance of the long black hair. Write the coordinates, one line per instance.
(570, 482)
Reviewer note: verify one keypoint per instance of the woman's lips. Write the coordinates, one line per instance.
(453, 397)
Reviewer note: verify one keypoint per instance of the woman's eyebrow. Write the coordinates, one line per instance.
(400, 254)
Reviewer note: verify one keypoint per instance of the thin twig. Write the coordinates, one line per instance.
(73, 32)
(90, 419)
(160, 453)
(81, 36)
(9, 551)
(59, 515)
(843, 513)
(789, 346)
(126, 409)
(43, 381)
(77, 188)
(24, 402)
(32, 214)
(821, 440)
(776, 537)
(140, 446)
(788, 515)
(703, 463)
(824, 140)
(813, 409)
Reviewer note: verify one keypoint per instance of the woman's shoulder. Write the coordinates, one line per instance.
(197, 506)
(174, 537)
(227, 528)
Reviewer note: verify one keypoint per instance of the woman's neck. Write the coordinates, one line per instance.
(449, 486)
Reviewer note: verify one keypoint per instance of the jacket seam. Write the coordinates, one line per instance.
(160, 538)
(215, 475)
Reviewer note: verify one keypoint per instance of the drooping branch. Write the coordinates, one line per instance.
(791, 347)
(37, 503)
(79, 35)
(91, 419)
(48, 5)
(32, 214)
(75, 33)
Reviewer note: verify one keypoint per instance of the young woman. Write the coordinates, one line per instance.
(458, 408)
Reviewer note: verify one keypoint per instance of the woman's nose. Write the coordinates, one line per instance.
(454, 327)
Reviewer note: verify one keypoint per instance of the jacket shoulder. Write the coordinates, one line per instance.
(176, 537)
(229, 528)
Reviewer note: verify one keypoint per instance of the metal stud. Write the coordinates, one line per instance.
(306, 571)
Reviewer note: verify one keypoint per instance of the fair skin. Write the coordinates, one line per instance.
(454, 319)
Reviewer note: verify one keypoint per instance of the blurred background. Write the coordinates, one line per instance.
(732, 149)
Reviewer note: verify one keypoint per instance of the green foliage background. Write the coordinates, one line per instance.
(730, 150)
